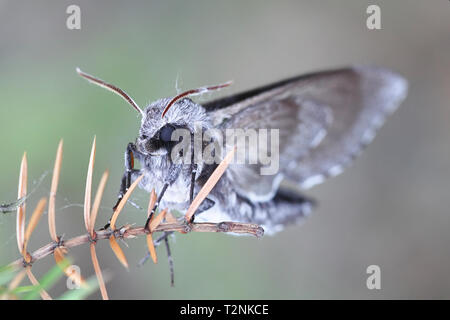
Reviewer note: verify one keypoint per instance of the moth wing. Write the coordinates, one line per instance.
(324, 121)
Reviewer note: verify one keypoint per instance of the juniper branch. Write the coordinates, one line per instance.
(126, 232)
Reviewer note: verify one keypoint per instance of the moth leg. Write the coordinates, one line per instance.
(206, 204)
(193, 174)
(129, 168)
(191, 194)
(171, 177)
(191, 198)
(156, 242)
(129, 175)
(169, 257)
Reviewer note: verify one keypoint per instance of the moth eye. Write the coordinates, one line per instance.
(166, 133)
(143, 137)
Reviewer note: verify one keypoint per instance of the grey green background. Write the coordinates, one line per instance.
(390, 209)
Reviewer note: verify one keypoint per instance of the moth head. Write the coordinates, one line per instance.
(163, 117)
(158, 134)
(159, 143)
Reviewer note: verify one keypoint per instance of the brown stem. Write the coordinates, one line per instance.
(127, 232)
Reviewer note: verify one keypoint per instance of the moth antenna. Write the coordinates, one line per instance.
(194, 92)
(111, 88)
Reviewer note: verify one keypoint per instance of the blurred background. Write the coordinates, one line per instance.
(390, 209)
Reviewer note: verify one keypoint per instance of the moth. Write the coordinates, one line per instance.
(324, 120)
